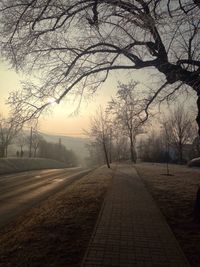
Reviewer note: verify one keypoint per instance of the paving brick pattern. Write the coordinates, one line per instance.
(131, 231)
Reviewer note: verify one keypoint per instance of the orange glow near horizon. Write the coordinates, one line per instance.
(60, 121)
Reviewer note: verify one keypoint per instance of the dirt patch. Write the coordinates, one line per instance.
(57, 232)
(175, 195)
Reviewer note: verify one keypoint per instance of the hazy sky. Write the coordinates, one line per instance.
(58, 122)
(61, 120)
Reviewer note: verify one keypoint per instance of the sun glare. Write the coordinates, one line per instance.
(51, 100)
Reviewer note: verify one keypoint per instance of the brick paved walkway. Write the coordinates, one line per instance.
(130, 230)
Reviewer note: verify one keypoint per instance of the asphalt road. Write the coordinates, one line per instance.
(21, 191)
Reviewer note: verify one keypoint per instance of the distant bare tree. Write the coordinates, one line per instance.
(33, 141)
(8, 130)
(179, 129)
(76, 44)
(100, 132)
(36, 139)
(124, 108)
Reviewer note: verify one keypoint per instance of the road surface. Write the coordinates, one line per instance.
(21, 191)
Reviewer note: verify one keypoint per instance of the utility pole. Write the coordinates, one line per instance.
(30, 144)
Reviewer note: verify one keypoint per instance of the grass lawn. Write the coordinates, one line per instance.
(175, 195)
(12, 165)
(57, 231)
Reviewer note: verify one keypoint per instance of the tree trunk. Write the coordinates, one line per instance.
(3, 151)
(110, 155)
(30, 144)
(196, 212)
(198, 146)
(198, 112)
(132, 149)
(6, 151)
(106, 154)
(180, 154)
(21, 151)
(35, 151)
(110, 147)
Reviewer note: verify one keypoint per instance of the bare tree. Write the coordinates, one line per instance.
(125, 109)
(36, 139)
(8, 130)
(178, 129)
(76, 44)
(33, 141)
(100, 132)
(116, 145)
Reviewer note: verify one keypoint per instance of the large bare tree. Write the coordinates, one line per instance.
(75, 44)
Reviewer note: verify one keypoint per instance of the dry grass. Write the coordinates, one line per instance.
(12, 165)
(57, 232)
(175, 195)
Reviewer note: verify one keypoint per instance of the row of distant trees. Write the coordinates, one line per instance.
(177, 140)
(8, 131)
(113, 132)
(32, 145)
(57, 151)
